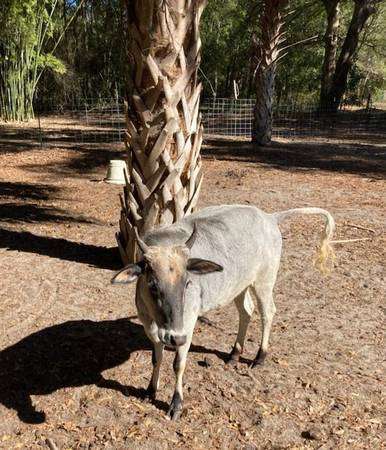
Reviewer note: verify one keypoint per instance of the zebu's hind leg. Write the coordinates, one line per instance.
(245, 307)
(263, 289)
(267, 310)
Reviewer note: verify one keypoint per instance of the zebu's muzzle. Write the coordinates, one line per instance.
(171, 339)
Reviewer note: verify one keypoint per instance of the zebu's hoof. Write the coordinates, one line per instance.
(260, 358)
(232, 360)
(175, 408)
(234, 357)
(150, 393)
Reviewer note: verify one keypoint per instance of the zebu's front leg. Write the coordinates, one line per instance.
(156, 359)
(151, 330)
(179, 364)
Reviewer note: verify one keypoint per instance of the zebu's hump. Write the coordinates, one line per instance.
(215, 222)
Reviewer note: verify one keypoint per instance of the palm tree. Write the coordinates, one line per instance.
(268, 53)
(164, 132)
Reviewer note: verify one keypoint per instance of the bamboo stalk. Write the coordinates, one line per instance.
(20, 71)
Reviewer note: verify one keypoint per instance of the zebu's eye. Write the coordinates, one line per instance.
(153, 287)
(188, 283)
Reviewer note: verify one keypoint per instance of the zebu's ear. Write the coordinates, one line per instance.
(202, 266)
(128, 274)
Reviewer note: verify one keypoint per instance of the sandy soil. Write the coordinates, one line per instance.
(74, 361)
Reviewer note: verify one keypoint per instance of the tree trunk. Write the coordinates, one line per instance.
(164, 131)
(262, 127)
(268, 51)
(330, 50)
(363, 9)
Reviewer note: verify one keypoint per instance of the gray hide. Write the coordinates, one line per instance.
(244, 240)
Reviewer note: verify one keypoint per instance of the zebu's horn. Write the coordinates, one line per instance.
(144, 247)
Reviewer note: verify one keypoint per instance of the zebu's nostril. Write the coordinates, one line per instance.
(166, 339)
(177, 341)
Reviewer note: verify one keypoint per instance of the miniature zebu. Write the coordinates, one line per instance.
(205, 261)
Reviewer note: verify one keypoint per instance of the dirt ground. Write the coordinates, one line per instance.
(74, 360)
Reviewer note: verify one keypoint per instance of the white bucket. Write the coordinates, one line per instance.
(115, 172)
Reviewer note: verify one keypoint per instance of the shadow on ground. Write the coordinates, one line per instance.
(22, 203)
(31, 213)
(83, 159)
(13, 212)
(360, 159)
(66, 355)
(27, 191)
(101, 257)
(71, 354)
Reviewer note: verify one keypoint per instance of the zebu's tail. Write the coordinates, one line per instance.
(326, 252)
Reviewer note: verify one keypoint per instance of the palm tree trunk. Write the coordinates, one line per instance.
(164, 132)
(268, 51)
(265, 82)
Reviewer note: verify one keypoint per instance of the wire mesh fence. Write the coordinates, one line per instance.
(230, 117)
(103, 121)
(92, 120)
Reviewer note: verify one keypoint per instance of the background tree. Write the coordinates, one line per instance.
(227, 28)
(367, 76)
(93, 53)
(331, 37)
(164, 131)
(362, 10)
(297, 80)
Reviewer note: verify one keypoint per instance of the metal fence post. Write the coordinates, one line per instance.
(40, 131)
(118, 115)
(86, 113)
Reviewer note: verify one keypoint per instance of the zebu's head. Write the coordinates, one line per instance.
(165, 279)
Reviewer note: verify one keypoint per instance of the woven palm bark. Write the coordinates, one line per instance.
(164, 131)
(268, 51)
